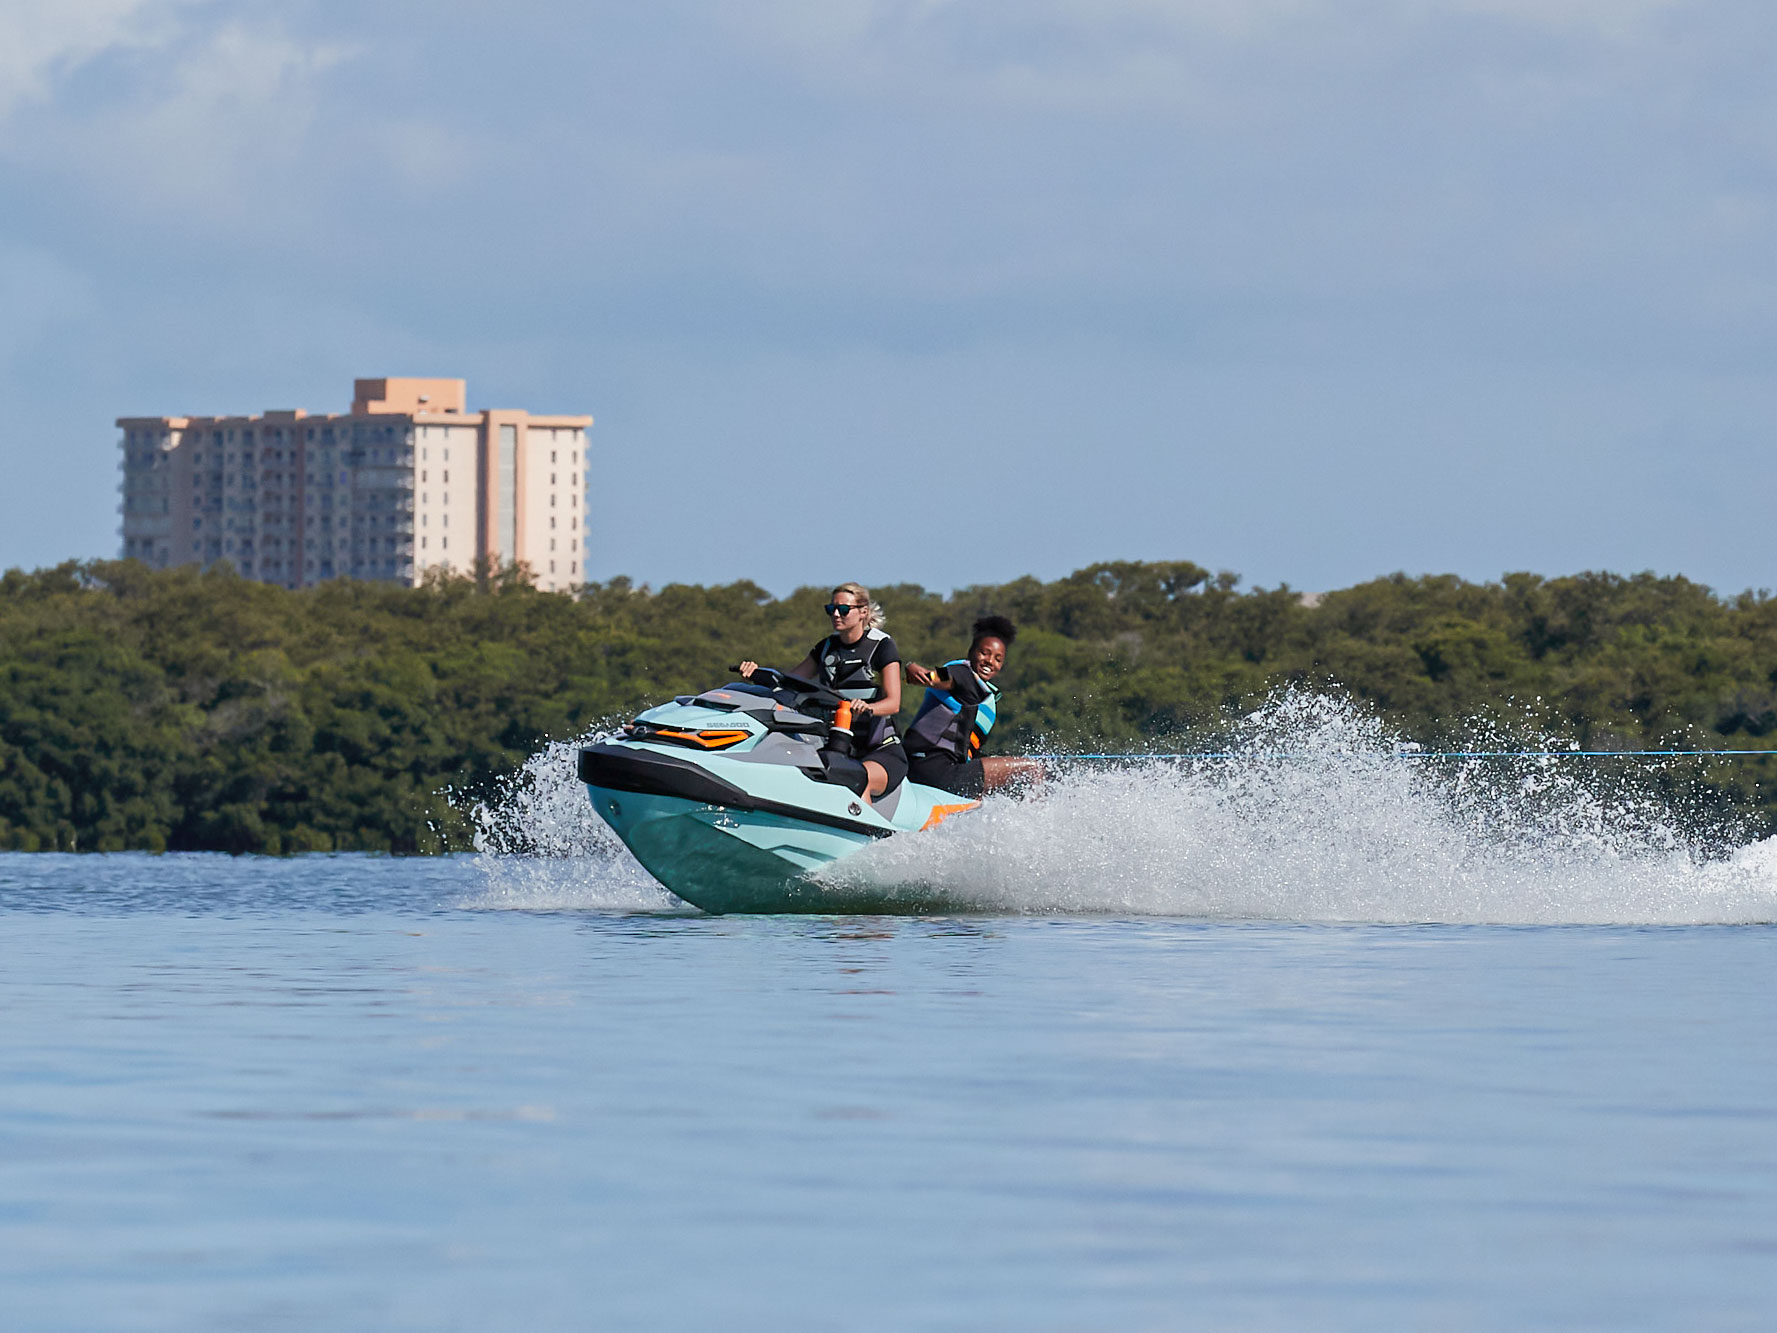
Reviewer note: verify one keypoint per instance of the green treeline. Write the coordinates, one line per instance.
(186, 710)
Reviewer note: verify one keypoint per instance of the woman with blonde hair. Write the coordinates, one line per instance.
(858, 661)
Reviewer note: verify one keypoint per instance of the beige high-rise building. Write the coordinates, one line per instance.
(407, 481)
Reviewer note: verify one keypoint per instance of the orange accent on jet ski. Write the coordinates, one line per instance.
(703, 740)
(842, 715)
(942, 812)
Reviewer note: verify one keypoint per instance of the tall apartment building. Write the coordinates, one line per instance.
(408, 480)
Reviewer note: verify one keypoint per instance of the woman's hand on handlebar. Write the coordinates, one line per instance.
(747, 669)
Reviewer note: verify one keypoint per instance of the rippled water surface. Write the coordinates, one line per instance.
(349, 1093)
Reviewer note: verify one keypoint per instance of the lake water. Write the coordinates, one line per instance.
(1305, 1037)
(480, 1093)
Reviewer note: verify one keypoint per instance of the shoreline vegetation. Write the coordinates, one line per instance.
(200, 711)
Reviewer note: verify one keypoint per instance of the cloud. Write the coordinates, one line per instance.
(38, 38)
(1616, 20)
(231, 110)
(881, 165)
(1210, 60)
(157, 102)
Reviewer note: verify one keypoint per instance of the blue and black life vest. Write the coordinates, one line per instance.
(947, 722)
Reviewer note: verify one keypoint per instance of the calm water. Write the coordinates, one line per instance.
(352, 1093)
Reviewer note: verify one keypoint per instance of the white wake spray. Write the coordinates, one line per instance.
(542, 848)
(1314, 817)
(1311, 816)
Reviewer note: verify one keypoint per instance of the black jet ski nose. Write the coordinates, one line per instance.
(623, 768)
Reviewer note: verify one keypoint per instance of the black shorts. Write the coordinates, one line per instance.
(940, 770)
(893, 758)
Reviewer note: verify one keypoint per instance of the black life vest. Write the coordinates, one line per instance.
(854, 671)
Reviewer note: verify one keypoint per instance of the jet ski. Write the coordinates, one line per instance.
(735, 798)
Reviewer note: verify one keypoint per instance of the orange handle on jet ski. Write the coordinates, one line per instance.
(842, 715)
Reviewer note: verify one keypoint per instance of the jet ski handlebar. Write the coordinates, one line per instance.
(773, 679)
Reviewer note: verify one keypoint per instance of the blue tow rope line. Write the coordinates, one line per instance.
(1418, 754)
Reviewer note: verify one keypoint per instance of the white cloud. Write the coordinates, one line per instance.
(234, 107)
(1610, 19)
(192, 107)
(827, 24)
(1113, 54)
(41, 39)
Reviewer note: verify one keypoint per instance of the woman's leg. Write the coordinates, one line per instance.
(886, 766)
(878, 779)
(1002, 771)
(940, 771)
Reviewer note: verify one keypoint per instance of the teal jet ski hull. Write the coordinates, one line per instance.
(725, 861)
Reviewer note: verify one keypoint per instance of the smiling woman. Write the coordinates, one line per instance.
(959, 710)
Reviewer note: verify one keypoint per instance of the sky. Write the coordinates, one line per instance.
(935, 291)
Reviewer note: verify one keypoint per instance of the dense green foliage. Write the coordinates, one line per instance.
(201, 710)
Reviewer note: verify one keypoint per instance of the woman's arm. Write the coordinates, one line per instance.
(805, 669)
(920, 676)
